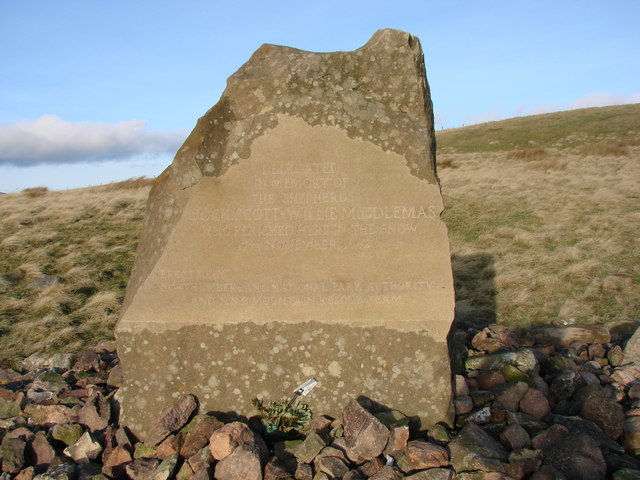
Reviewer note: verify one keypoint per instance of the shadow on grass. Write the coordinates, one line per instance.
(474, 283)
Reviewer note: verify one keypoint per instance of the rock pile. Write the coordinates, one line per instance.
(547, 403)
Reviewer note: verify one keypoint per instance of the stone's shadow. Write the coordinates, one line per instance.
(475, 290)
(379, 410)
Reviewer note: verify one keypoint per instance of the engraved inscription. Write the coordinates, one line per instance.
(300, 206)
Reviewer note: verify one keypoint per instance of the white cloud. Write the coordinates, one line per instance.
(52, 140)
(603, 99)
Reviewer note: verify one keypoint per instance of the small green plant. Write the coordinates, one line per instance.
(285, 416)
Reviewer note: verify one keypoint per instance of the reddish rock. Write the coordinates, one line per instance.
(387, 473)
(333, 466)
(226, 439)
(365, 435)
(26, 474)
(632, 432)
(205, 473)
(201, 459)
(547, 439)
(398, 439)
(172, 419)
(578, 457)
(115, 461)
(432, 474)
(509, 395)
(141, 468)
(535, 403)
(169, 446)
(199, 435)
(514, 437)
(463, 404)
(488, 380)
(115, 377)
(87, 360)
(243, 463)
(420, 455)
(461, 387)
(371, 467)
(605, 413)
(277, 470)
(95, 413)
(43, 452)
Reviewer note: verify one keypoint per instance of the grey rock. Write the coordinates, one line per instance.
(578, 457)
(64, 471)
(626, 474)
(36, 360)
(473, 449)
(311, 446)
(524, 359)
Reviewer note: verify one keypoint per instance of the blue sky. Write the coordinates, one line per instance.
(93, 92)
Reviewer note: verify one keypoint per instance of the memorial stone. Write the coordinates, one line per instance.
(297, 234)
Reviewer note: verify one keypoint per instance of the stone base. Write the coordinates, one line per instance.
(227, 366)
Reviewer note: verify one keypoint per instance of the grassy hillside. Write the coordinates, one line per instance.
(584, 128)
(540, 232)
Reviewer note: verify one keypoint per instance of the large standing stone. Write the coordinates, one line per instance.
(297, 234)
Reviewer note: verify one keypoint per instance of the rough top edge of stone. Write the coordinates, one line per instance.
(377, 93)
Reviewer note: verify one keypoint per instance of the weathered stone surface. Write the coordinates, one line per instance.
(432, 474)
(172, 418)
(67, 433)
(365, 435)
(298, 233)
(632, 348)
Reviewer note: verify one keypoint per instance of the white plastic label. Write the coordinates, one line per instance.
(306, 387)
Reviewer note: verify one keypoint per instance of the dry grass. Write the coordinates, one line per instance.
(87, 239)
(536, 153)
(552, 236)
(34, 192)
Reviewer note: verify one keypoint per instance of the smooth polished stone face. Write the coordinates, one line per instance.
(297, 245)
